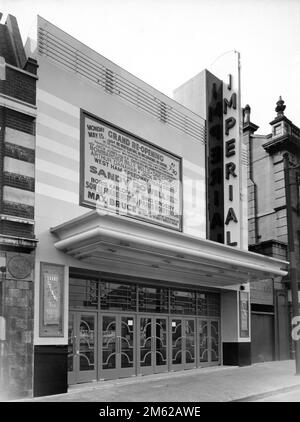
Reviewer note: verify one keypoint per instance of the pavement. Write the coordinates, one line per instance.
(214, 384)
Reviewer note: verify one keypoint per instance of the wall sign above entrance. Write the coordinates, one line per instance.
(123, 174)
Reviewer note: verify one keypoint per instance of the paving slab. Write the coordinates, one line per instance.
(214, 384)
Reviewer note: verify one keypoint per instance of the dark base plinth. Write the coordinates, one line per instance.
(50, 370)
(237, 354)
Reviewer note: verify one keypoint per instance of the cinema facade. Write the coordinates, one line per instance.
(140, 210)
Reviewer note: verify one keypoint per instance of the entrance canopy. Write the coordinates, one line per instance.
(123, 245)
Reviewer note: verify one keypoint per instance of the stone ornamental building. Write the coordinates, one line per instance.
(268, 183)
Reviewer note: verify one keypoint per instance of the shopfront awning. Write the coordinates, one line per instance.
(123, 245)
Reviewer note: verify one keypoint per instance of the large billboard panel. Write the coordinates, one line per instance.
(125, 175)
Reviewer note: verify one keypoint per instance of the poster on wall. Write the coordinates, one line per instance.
(126, 175)
(244, 314)
(51, 300)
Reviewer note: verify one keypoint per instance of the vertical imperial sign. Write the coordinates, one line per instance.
(125, 175)
(232, 161)
(215, 159)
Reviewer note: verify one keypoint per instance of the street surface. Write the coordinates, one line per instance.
(292, 396)
(214, 384)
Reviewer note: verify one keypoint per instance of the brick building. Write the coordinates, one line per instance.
(268, 228)
(17, 241)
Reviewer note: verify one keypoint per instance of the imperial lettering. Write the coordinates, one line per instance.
(230, 123)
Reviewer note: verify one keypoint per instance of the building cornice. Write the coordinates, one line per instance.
(32, 75)
(18, 105)
(287, 142)
(24, 242)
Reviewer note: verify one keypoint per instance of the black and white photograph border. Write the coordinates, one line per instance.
(149, 205)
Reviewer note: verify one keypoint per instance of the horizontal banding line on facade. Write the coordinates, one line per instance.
(54, 156)
(193, 204)
(57, 180)
(52, 133)
(13, 165)
(216, 260)
(57, 103)
(51, 168)
(97, 68)
(56, 193)
(17, 195)
(188, 165)
(61, 127)
(60, 115)
(17, 137)
(51, 145)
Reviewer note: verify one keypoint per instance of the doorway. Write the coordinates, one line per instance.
(82, 347)
(117, 346)
(183, 343)
(152, 344)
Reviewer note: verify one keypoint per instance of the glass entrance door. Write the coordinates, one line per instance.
(183, 343)
(152, 344)
(82, 347)
(117, 346)
(209, 341)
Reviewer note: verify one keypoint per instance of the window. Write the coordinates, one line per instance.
(183, 302)
(115, 296)
(213, 305)
(83, 293)
(152, 299)
(277, 130)
(208, 304)
(202, 308)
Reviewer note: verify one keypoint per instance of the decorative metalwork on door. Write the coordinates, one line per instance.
(86, 350)
(152, 344)
(177, 341)
(82, 347)
(145, 343)
(215, 341)
(209, 341)
(183, 343)
(190, 342)
(203, 340)
(117, 346)
(109, 342)
(160, 344)
(126, 342)
(71, 344)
